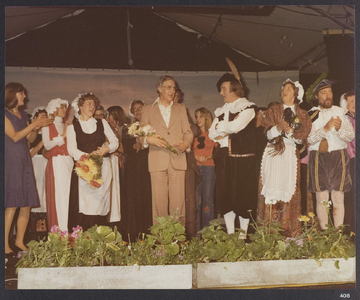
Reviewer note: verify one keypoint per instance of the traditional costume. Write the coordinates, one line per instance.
(38, 216)
(279, 183)
(58, 168)
(90, 206)
(329, 167)
(235, 187)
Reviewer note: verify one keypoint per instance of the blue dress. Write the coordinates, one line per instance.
(20, 186)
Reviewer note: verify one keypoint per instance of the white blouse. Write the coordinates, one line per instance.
(220, 130)
(57, 141)
(89, 127)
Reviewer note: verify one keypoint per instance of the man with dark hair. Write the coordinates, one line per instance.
(234, 129)
(329, 168)
(167, 170)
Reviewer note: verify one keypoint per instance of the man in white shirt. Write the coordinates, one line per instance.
(234, 129)
(167, 170)
(329, 168)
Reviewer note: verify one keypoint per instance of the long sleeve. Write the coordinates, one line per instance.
(316, 135)
(113, 140)
(346, 131)
(49, 144)
(72, 144)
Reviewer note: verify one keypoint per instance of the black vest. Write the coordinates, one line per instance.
(89, 142)
(243, 143)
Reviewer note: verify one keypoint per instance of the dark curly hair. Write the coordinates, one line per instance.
(88, 96)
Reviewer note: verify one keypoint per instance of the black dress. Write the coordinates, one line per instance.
(136, 205)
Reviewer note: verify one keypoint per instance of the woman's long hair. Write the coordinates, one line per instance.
(207, 115)
(118, 114)
(11, 89)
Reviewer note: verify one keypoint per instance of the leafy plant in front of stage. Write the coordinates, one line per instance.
(217, 245)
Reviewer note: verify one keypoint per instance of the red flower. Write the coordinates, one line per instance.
(95, 184)
(83, 157)
(77, 164)
(85, 168)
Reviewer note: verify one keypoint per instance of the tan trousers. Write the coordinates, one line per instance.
(168, 193)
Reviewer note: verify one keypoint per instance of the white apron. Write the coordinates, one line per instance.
(62, 166)
(96, 201)
(115, 214)
(39, 164)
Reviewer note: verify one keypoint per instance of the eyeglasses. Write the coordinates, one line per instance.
(98, 115)
(169, 87)
(137, 109)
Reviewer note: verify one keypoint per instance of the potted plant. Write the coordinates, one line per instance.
(99, 258)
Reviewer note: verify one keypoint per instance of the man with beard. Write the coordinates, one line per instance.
(329, 167)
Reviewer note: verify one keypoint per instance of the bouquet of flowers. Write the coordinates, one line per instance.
(88, 168)
(137, 129)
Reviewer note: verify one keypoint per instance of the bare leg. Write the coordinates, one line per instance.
(337, 198)
(9, 216)
(321, 209)
(22, 222)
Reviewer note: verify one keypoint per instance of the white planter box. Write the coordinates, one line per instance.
(128, 277)
(265, 273)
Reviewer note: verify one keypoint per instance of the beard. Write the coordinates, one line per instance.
(326, 104)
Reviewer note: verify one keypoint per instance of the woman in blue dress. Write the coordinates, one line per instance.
(20, 187)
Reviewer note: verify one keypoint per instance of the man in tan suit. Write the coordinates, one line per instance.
(167, 170)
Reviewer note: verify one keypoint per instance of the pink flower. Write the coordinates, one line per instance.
(75, 234)
(19, 254)
(54, 229)
(77, 228)
(63, 233)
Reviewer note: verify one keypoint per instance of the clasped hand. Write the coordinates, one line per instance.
(336, 123)
(101, 151)
(283, 126)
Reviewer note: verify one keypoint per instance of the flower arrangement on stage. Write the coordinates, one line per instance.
(166, 244)
(88, 168)
(138, 129)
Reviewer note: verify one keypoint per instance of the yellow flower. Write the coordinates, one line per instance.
(304, 219)
(352, 233)
(311, 214)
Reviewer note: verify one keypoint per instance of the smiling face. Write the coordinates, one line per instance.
(167, 92)
(325, 97)
(288, 94)
(225, 91)
(20, 96)
(351, 104)
(87, 109)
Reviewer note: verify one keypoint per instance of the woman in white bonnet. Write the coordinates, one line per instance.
(87, 135)
(286, 125)
(59, 166)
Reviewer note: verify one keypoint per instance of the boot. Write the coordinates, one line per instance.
(230, 222)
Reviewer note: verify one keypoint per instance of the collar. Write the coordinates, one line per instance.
(58, 120)
(234, 107)
(90, 121)
(158, 102)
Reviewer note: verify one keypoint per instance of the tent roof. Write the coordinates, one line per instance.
(256, 38)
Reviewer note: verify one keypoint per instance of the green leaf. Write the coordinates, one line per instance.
(337, 264)
(110, 237)
(172, 249)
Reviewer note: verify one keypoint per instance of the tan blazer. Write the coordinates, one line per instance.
(178, 131)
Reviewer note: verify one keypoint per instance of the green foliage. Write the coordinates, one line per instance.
(166, 244)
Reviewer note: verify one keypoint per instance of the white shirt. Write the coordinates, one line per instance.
(337, 140)
(165, 112)
(89, 127)
(220, 130)
(57, 141)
